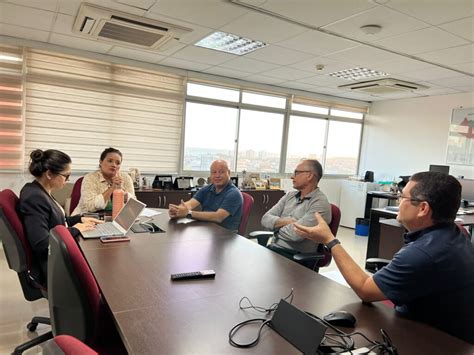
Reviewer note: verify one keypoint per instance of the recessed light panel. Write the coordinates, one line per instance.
(357, 73)
(230, 43)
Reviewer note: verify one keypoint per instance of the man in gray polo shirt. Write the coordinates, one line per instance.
(298, 206)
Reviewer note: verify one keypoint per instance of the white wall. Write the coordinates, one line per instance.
(402, 137)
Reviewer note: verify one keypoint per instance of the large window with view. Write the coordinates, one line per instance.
(343, 148)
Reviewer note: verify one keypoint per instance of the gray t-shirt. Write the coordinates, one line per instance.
(291, 205)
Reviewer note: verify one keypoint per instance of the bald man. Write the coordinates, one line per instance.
(221, 202)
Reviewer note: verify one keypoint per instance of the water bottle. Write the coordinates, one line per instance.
(117, 202)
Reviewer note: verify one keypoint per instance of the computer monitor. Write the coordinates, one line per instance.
(440, 168)
(467, 193)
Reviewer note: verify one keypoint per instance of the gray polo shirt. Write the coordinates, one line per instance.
(291, 205)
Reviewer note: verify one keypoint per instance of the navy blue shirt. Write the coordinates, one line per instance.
(229, 199)
(431, 279)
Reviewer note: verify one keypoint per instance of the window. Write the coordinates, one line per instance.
(305, 140)
(82, 106)
(347, 114)
(263, 100)
(213, 92)
(309, 108)
(260, 141)
(11, 108)
(343, 148)
(210, 134)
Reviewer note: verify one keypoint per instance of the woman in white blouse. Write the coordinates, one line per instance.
(97, 187)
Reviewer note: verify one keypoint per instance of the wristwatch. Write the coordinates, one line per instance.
(331, 244)
(190, 214)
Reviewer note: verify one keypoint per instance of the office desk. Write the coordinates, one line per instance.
(157, 316)
(376, 194)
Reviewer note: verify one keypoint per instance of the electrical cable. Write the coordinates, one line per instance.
(260, 309)
(236, 328)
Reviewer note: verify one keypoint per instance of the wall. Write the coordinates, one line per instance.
(405, 136)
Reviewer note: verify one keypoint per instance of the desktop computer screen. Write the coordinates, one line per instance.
(440, 168)
(467, 193)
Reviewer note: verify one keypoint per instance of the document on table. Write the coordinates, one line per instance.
(184, 220)
(148, 212)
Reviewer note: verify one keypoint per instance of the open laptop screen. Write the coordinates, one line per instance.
(129, 213)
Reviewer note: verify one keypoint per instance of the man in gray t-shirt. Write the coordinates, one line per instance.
(298, 206)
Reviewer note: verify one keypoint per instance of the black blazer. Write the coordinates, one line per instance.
(40, 213)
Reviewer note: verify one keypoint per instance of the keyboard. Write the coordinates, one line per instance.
(102, 230)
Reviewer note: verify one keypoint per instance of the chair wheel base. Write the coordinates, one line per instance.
(32, 326)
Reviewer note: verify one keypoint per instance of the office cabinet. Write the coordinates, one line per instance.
(352, 202)
(162, 199)
(263, 201)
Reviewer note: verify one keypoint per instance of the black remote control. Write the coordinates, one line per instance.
(204, 274)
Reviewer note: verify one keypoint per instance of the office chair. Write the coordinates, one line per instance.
(75, 300)
(66, 345)
(19, 258)
(75, 195)
(314, 261)
(246, 208)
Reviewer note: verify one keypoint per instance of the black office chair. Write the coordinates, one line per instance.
(313, 261)
(19, 257)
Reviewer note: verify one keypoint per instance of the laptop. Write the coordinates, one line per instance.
(121, 224)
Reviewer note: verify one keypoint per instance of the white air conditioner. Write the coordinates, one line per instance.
(110, 25)
(384, 86)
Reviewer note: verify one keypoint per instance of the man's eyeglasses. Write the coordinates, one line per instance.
(400, 197)
(296, 172)
(66, 177)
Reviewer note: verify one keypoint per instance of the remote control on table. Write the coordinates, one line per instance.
(204, 274)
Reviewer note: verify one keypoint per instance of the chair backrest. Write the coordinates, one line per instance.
(73, 293)
(246, 208)
(75, 195)
(334, 226)
(16, 246)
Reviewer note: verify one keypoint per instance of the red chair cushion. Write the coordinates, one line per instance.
(72, 346)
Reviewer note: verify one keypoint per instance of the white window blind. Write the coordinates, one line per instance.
(11, 108)
(82, 106)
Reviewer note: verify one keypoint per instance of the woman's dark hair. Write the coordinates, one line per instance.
(51, 159)
(110, 150)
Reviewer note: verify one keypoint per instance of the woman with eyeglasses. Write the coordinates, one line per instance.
(98, 186)
(41, 212)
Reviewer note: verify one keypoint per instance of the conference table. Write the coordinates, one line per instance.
(155, 315)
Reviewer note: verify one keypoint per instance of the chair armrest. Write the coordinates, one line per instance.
(375, 264)
(308, 256)
(262, 236)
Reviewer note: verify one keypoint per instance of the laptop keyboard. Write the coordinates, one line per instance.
(106, 229)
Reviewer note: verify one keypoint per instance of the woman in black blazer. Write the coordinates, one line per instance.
(41, 212)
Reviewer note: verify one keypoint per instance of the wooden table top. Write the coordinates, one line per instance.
(157, 316)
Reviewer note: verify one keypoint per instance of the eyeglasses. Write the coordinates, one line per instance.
(400, 197)
(66, 177)
(296, 172)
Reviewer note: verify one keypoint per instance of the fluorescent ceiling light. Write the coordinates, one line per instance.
(229, 43)
(357, 73)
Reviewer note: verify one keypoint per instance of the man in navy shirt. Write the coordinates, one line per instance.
(431, 279)
(221, 202)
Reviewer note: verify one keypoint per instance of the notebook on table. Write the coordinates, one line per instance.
(121, 224)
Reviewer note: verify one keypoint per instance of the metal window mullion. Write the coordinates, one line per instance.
(325, 147)
(285, 133)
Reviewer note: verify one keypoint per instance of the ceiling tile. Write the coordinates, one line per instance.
(288, 73)
(209, 13)
(455, 81)
(463, 28)
(26, 16)
(464, 89)
(265, 79)
(438, 91)
(129, 53)
(318, 43)
(364, 56)
(69, 7)
(300, 86)
(401, 65)
(23, 32)
(392, 22)
(262, 28)
(330, 65)
(325, 80)
(467, 67)
(248, 65)
(453, 55)
(63, 24)
(183, 64)
(203, 55)
(230, 73)
(425, 40)
(79, 43)
(49, 5)
(439, 11)
(170, 47)
(317, 13)
(431, 74)
(278, 55)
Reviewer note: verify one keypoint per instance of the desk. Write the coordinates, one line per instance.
(376, 194)
(156, 316)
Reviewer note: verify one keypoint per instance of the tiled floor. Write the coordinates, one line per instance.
(16, 312)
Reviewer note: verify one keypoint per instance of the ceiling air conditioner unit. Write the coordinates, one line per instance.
(384, 86)
(110, 25)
